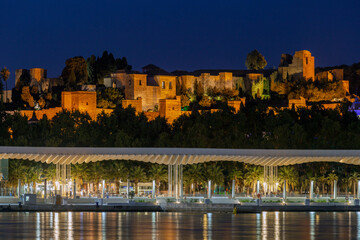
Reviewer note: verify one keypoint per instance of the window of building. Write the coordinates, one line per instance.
(129, 82)
(140, 82)
(163, 85)
(307, 60)
(170, 85)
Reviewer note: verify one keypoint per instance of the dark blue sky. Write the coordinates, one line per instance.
(184, 35)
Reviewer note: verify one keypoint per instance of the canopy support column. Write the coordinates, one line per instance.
(181, 188)
(45, 189)
(103, 189)
(127, 188)
(153, 189)
(233, 189)
(170, 169)
(209, 189)
(311, 189)
(74, 189)
(335, 189)
(19, 189)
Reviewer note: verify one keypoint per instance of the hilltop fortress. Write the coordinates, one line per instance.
(158, 93)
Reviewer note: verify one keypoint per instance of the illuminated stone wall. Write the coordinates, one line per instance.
(224, 80)
(346, 86)
(137, 104)
(79, 100)
(82, 101)
(302, 66)
(334, 74)
(297, 103)
(137, 86)
(170, 108)
(50, 113)
(117, 79)
(167, 85)
(151, 115)
(237, 104)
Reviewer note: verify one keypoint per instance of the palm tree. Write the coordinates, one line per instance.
(158, 173)
(331, 178)
(193, 174)
(254, 174)
(119, 172)
(353, 180)
(322, 180)
(4, 74)
(307, 179)
(50, 172)
(137, 175)
(237, 175)
(81, 173)
(290, 175)
(214, 173)
(33, 175)
(97, 173)
(17, 171)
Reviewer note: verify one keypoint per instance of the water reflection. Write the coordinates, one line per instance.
(56, 226)
(312, 225)
(265, 225)
(277, 226)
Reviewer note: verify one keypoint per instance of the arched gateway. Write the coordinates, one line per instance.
(175, 158)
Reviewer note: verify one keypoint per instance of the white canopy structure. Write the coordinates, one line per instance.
(172, 156)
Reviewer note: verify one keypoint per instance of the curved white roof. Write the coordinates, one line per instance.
(270, 157)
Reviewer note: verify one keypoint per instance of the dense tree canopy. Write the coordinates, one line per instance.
(99, 67)
(255, 61)
(75, 73)
(253, 127)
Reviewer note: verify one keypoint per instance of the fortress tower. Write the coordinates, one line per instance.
(301, 65)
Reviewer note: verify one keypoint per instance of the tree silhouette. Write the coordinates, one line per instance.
(255, 61)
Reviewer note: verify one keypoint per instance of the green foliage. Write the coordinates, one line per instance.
(289, 174)
(4, 75)
(255, 61)
(108, 97)
(315, 91)
(99, 67)
(75, 73)
(253, 127)
(351, 73)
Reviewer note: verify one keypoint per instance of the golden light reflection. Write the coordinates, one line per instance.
(277, 226)
(205, 227)
(283, 225)
(70, 226)
(56, 226)
(264, 226)
(153, 225)
(120, 223)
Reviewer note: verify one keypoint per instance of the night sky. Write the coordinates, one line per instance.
(176, 35)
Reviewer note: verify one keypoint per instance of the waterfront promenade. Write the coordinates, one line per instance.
(216, 204)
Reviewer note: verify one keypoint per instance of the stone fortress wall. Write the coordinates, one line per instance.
(38, 77)
(155, 94)
(301, 65)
